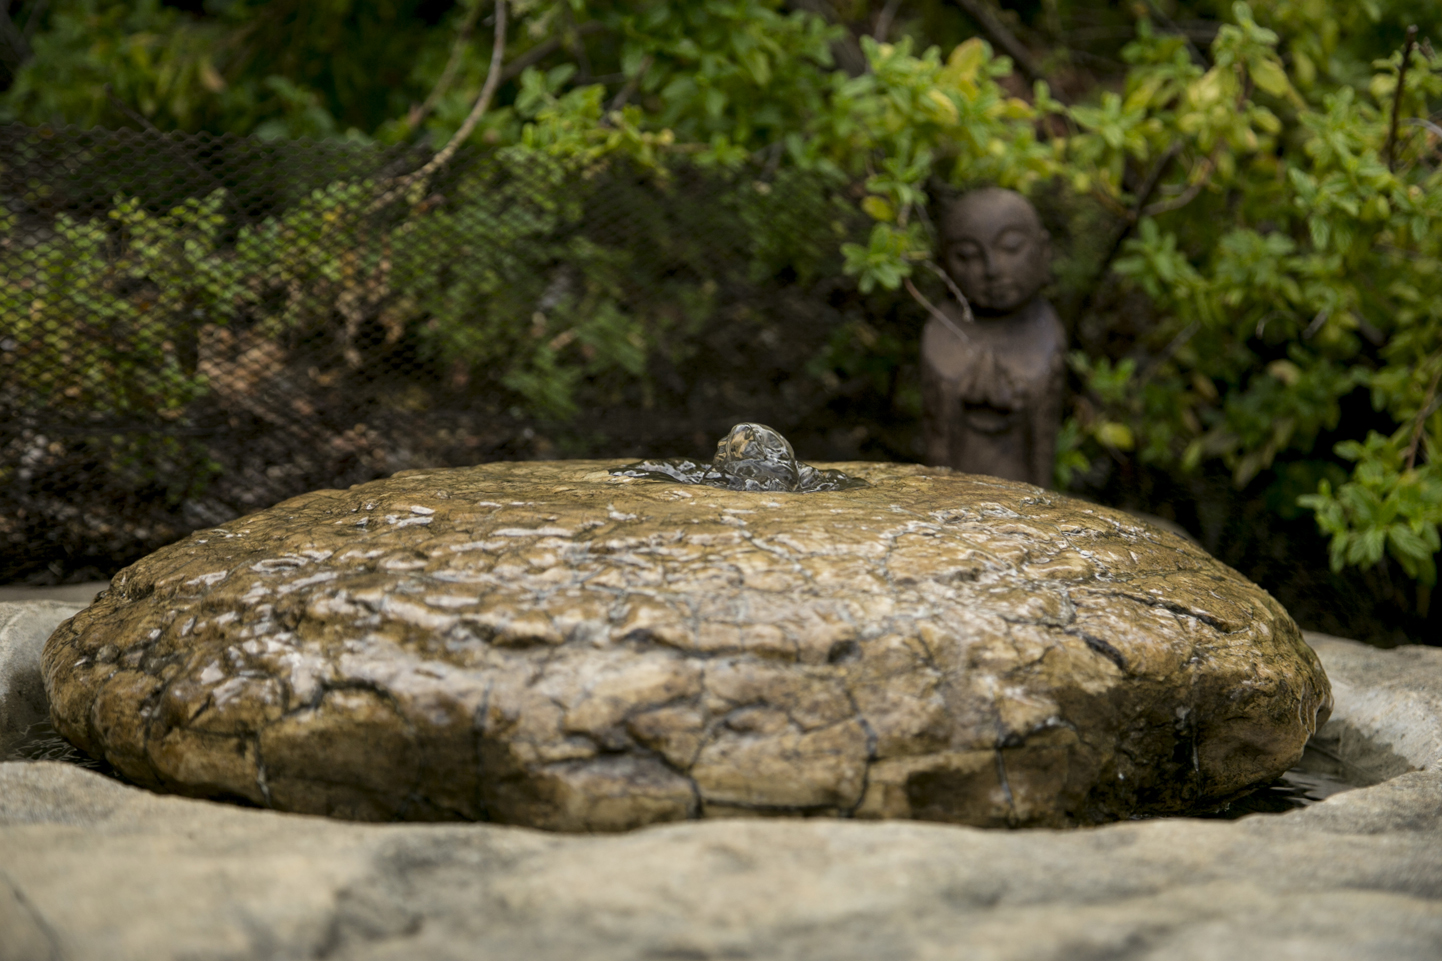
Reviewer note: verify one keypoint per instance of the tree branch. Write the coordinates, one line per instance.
(578, 48)
(1425, 124)
(966, 314)
(883, 21)
(619, 101)
(126, 109)
(1149, 187)
(541, 51)
(1428, 408)
(483, 102)
(1154, 179)
(1389, 151)
(1169, 25)
(176, 150)
(935, 311)
(1186, 196)
(458, 50)
(1133, 216)
(1174, 345)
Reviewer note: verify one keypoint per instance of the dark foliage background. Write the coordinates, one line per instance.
(676, 216)
(288, 351)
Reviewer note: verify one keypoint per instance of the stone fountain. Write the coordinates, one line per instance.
(419, 648)
(581, 647)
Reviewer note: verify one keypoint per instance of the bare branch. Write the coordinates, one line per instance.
(966, 314)
(624, 94)
(1171, 27)
(1426, 124)
(511, 70)
(1186, 196)
(129, 111)
(176, 149)
(1130, 220)
(483, 102)
(1389, 151)
(576, 47)
(884, 19)
(1174, 345)
(458, 50)
(1149, 187)
(935, 311)
(1154, 179)
(541, 51)
(1428, 408)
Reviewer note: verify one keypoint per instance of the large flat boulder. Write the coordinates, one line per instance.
(94, 870)
(554, 646)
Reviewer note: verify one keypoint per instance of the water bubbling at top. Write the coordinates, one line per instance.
(751, 457)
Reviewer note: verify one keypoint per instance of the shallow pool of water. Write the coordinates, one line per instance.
(1317, 776)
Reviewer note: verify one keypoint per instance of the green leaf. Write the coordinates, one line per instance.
(1113, 434)
(878, 209)
(1269, 76)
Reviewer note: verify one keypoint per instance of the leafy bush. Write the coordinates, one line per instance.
(1303, 267)
(1266, 209)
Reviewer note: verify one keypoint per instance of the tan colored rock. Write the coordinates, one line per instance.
(550, 645)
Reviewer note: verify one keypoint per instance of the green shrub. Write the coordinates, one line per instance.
(1275, 199)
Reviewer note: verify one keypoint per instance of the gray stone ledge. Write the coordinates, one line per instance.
(23, 629)
(91, 868)
(81, 594)
(1391, 697)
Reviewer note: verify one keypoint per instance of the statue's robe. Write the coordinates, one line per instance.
(992, 402)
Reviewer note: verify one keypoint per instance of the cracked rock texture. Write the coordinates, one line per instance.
(549, 645)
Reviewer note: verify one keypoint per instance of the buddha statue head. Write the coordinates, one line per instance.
(995, 248)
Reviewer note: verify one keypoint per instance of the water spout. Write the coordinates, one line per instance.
(751, 457)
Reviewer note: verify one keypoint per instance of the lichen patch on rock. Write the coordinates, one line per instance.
(550, 645)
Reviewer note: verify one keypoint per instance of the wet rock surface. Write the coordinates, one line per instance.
(554, 646)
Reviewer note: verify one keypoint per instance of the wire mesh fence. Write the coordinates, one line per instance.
(196, 326)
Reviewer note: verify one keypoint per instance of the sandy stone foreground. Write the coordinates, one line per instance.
(91, 868)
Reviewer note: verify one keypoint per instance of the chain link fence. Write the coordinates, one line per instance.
(193, 327)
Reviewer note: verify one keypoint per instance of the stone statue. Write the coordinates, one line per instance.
(992, 384)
